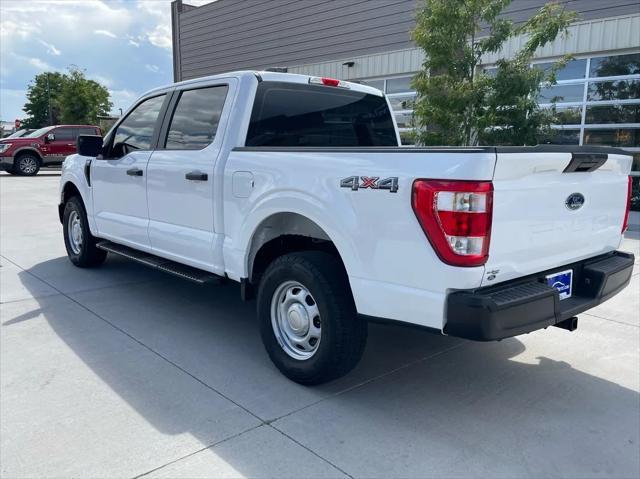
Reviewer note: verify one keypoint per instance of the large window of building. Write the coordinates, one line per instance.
(597, 100)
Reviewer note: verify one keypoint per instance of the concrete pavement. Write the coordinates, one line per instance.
(123, 371)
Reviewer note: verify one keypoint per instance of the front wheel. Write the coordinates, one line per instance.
(308, 319)
(78, 240)
(26, 165)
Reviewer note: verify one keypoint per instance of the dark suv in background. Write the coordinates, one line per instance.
(44, 147)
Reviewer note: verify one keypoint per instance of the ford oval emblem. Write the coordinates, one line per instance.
(574, 201)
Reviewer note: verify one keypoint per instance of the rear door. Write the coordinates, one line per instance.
(555, 207)
(119, 180)
(181, 183)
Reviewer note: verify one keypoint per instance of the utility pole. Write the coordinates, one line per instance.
(49, 101)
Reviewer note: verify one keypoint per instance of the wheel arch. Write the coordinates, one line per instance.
(26, 150)
(68, 190)
(285, 232)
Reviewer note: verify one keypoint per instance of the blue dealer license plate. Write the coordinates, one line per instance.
(563, 282)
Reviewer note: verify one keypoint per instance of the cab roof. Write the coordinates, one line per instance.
(263, 76)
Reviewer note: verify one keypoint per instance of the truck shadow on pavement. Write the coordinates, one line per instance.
(189, 360)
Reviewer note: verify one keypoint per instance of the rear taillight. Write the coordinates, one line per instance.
(456, 217)
(625, 222)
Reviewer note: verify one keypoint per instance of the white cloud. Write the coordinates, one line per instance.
(134, 41)
(39, 64)
(104, 81)
(122, 99)
(10, 29)
(51, 49)
(160, 36)
(106, 33)
(49, 35)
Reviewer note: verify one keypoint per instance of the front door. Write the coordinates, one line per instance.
(180, 182)
(60, 143)
(119, 179)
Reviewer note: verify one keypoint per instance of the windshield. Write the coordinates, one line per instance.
(17, 134)
(40, 132)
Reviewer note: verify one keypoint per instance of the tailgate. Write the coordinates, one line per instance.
(553, 206)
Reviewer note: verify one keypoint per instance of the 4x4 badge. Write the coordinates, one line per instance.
(372, 182)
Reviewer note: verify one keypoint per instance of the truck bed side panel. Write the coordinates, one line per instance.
(388, 258)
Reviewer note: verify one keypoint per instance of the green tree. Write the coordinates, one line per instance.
(460, 104)
(82, 100)
(71, 97)
(43, 90)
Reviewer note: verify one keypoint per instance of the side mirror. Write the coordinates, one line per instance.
(89, 145)
(50, 137)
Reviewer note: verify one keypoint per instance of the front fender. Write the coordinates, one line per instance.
(73, 171)
(27, 149)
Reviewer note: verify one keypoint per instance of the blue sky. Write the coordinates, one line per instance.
(123, 44)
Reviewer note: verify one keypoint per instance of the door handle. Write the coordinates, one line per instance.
(196, 176)
(134, 172)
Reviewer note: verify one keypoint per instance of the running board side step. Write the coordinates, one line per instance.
(186, 272)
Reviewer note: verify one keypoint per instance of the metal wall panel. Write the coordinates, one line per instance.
(600, 35)
(236, 34)
(253, 34)
(603, 35)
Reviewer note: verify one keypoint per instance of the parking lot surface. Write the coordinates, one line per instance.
(123, 371)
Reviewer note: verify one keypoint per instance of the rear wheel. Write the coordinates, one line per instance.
(80, 244)
(308, 319)
(26, 164)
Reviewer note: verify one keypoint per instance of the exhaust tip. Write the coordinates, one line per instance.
(570, 324)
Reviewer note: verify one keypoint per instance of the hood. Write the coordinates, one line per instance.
(19, 141)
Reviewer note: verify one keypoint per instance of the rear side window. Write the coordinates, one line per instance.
(195, 120)
(291, 114)
(86, 131)
(64, 134)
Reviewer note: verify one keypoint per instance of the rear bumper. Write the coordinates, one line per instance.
(527, 304)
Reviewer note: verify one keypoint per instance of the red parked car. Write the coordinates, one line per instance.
(44, 147)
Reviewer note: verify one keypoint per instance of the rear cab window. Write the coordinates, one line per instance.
(301, 115)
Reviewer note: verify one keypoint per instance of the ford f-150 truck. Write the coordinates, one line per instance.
(296, 187)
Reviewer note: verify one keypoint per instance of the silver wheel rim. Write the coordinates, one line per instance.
(74, 232)
(28, 165)
(295, 320)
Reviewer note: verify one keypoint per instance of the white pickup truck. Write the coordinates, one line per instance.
(296, 187)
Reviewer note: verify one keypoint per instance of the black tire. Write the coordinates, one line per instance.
(343, 333)
(83, 254)
(27, 164)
